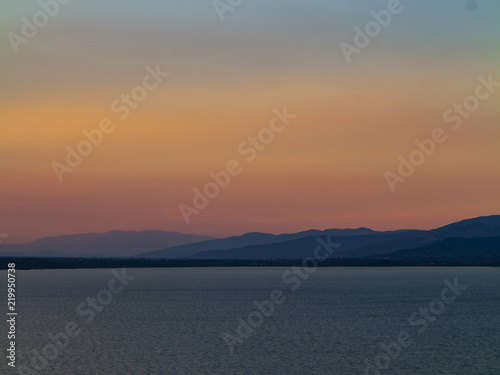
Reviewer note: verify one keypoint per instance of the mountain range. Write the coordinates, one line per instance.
(470, 239)
(110, 244)
(353, 243)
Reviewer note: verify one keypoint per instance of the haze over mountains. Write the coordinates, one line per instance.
(354, 243)
(471, 239)
(110, 244)
(249, 239)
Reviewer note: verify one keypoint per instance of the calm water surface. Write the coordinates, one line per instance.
(171, 321)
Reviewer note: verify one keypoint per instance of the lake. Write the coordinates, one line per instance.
(257, 321)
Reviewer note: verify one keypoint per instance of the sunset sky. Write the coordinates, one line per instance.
(324, 170)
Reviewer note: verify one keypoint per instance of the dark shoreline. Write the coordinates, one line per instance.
(23, 263)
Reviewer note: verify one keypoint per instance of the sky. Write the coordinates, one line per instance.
(353, 116)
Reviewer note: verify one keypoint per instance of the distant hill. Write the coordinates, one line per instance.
(249, 239)
(356, 246)
(357, 243)
(453, 249)
(294, 249)
(110, 244)
(485, 226)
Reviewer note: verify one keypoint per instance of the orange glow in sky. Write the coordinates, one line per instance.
(324, 170)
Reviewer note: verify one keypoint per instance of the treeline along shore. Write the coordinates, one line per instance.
(25, 263)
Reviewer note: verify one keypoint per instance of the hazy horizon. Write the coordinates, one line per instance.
(7, 242)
